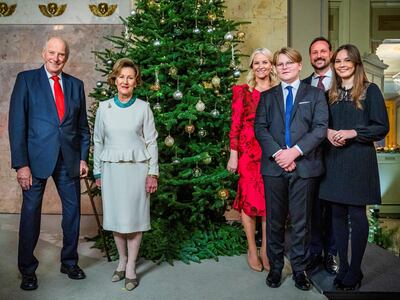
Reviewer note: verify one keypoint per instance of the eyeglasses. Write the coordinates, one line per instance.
(287, 64)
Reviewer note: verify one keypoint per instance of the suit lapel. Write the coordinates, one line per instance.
(279, 98)
(299, 96)
(49, 98)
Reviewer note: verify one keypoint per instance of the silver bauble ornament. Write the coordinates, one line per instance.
(200, 106)
(156, 43)
(99, 84)
(177, 95)
(169, 141)
(109, 62)
(157, 107)
(202, 132)
(210, 29)
(196, 172)
(133, 12)
(236, 73)
(176, 160)
(196, 30)
(228, 36)
(215, 113)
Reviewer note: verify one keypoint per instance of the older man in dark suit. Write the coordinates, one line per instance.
(291, 121)
(49, 136)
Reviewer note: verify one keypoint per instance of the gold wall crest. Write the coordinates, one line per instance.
(102, 9)
(6, 10)
(52, 9)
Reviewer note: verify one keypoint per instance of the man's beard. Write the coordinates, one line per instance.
(326, 64)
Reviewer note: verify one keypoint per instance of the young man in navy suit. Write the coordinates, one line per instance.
(291, 121)
(49, 136)
(322, 246)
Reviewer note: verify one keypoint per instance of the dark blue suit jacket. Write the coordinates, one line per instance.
(36, 134)
(308, 127)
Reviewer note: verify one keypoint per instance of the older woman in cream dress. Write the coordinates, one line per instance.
(125, 166)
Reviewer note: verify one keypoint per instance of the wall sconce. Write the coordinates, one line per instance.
(52, 9)
(102, 9)
(5, 10)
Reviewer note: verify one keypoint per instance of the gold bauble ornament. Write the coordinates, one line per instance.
(223, 194)
(225, 47)
(216, 81)
(212, 16)
(173, 71)
(196, 172)
(104, 93)
(169, 141)
(155, 87)
(240, 35)
(207, 160)
(189, 128)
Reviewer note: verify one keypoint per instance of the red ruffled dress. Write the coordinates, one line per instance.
(250, 194)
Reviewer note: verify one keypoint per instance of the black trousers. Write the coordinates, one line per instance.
(69, 191)
(288, 193)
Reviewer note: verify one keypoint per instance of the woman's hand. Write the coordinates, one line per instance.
(343, 135)
(233, 161)
(151, 184)
(331, 135)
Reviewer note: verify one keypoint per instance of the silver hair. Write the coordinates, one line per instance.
(61, 39)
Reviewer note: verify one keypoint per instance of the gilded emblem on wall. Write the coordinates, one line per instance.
(102, 9)
(52, 9)
(6, 10)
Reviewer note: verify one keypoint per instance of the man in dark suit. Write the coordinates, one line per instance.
(290, 123)
(322, 240)
(49, 136)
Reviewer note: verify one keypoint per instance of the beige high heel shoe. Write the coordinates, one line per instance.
(257, 268)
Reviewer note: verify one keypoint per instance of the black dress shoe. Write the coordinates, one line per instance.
(73, 272)
(331, 265)
(273, 279)
(315, 261)
(29, 282)
(350, 287)
(301, 281)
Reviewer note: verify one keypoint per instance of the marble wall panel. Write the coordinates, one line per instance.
(21, 50)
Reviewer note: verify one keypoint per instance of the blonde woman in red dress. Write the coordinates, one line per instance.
(245, 153)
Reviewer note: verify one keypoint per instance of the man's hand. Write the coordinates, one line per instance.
(291, 168)
(24, 177)
(83, 169)
(286, 157)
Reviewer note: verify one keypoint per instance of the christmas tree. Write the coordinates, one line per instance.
(188, 55)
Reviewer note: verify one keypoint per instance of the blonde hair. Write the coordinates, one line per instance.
(119, 65)
(251, 78)
(293, 54)
(359, 79)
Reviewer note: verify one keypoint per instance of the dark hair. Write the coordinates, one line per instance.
(119, 65)
(360, 78)
(293, 54)
(320, 39)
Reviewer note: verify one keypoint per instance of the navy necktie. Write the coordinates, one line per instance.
(288, 112)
